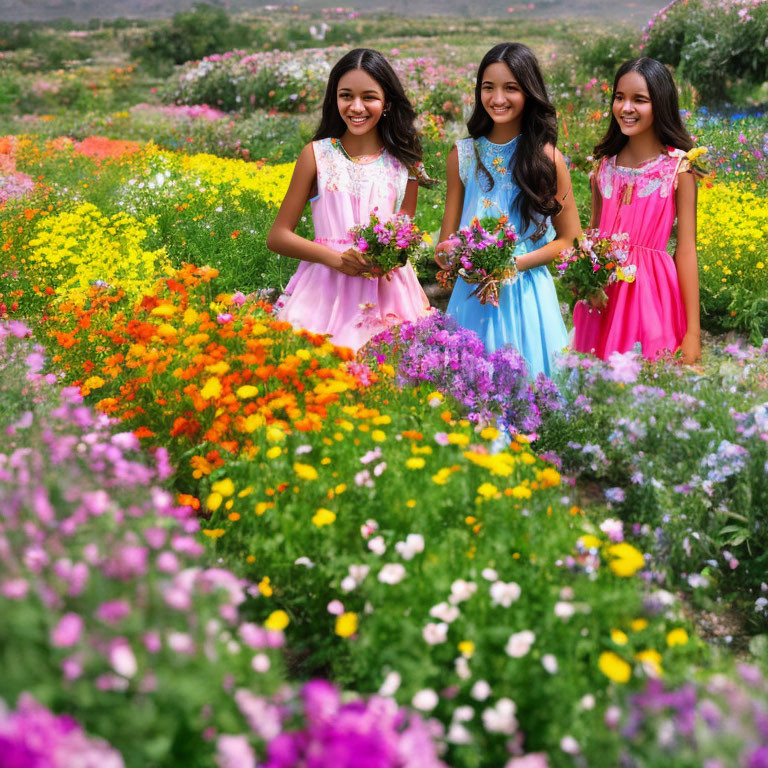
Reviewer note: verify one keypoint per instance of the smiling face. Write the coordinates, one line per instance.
(632, 105)
(360, 100)
(501, 95)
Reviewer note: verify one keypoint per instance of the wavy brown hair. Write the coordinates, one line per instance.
(533, 170)
(667, 122)
(396, 128)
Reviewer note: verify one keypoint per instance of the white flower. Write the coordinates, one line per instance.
(489, 574)
(567, 593)
(390, 685)
(305, 561)
(501, 718)
(463, 672)
(260, 662)
(520, 643)
(377, 545)
(434, 634)
(348, 584)
(412, 546)
(461, 590)
(458, 734)
(480, 690)
(122, 659)
(505, 594)
(569, 745)
(463, 714)
(549, 662)
(564, 610)
(425, 700)
(392, 573)
(613, 528)
(359, 572)
(587, 702)
(444, 612)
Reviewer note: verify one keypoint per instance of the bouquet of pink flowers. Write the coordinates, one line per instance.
(388, 245)
(595, 262)
(482, 254)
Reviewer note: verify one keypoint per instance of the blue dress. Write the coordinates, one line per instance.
(528, 316)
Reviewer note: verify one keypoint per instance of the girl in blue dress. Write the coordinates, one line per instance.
(510, 166)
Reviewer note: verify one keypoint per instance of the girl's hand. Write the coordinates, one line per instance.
(690, 348)
(351, 262)
(439, 258)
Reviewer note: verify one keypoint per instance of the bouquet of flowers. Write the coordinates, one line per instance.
(595, 262)
(388, 245)
(482, 254)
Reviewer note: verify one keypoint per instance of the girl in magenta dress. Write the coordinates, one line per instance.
(643, 182)
(364, 157)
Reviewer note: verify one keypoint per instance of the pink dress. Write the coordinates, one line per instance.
(641, 202)
(322, 300)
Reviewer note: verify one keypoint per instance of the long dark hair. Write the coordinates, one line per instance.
(396, 128)
(534, 171)
(667, 123)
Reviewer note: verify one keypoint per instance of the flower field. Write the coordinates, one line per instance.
(227, 542)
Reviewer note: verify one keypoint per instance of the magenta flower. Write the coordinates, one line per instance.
(67, 632)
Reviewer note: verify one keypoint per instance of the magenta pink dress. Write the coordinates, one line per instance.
(641, 202)
(322, 300)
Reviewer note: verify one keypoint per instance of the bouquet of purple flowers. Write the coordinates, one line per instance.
(388, 245)
(483, 254)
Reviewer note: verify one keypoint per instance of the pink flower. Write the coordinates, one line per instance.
(361, 245)
(67, 632)
(223, 317)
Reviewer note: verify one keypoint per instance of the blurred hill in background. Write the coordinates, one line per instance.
(634, 11)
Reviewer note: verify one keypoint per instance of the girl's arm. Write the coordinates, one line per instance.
(566, 223)
(454, 200)
(686, 263)
(597, 201)
(283, 240)
(408, 206)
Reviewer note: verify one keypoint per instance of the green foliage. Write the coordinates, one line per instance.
(713, 45)
(601, 55)
(190, 35)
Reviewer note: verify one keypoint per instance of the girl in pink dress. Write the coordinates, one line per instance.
(643, 181)
(358, 161)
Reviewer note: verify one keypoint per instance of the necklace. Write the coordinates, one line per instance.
(359, 159)
(629, 189)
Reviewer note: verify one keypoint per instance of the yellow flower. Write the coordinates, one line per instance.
(487, 490)
(521, 492)
(549, 477)
(466, 648)
(677, 637)
(305, 471)
(442, 476)
(265, 588)
(619, 637)
(638, 625)
(277, 621)
(225, 487)
(346, 624)
(274, 452)
(614, 667)
(458, 438)
(214, 533)
(323, 517)
(415, 462)
(490, 433)
(588, 541)
(626, 559)
(211, 389)
(378, 436)
(246, 391)
(213, 502)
